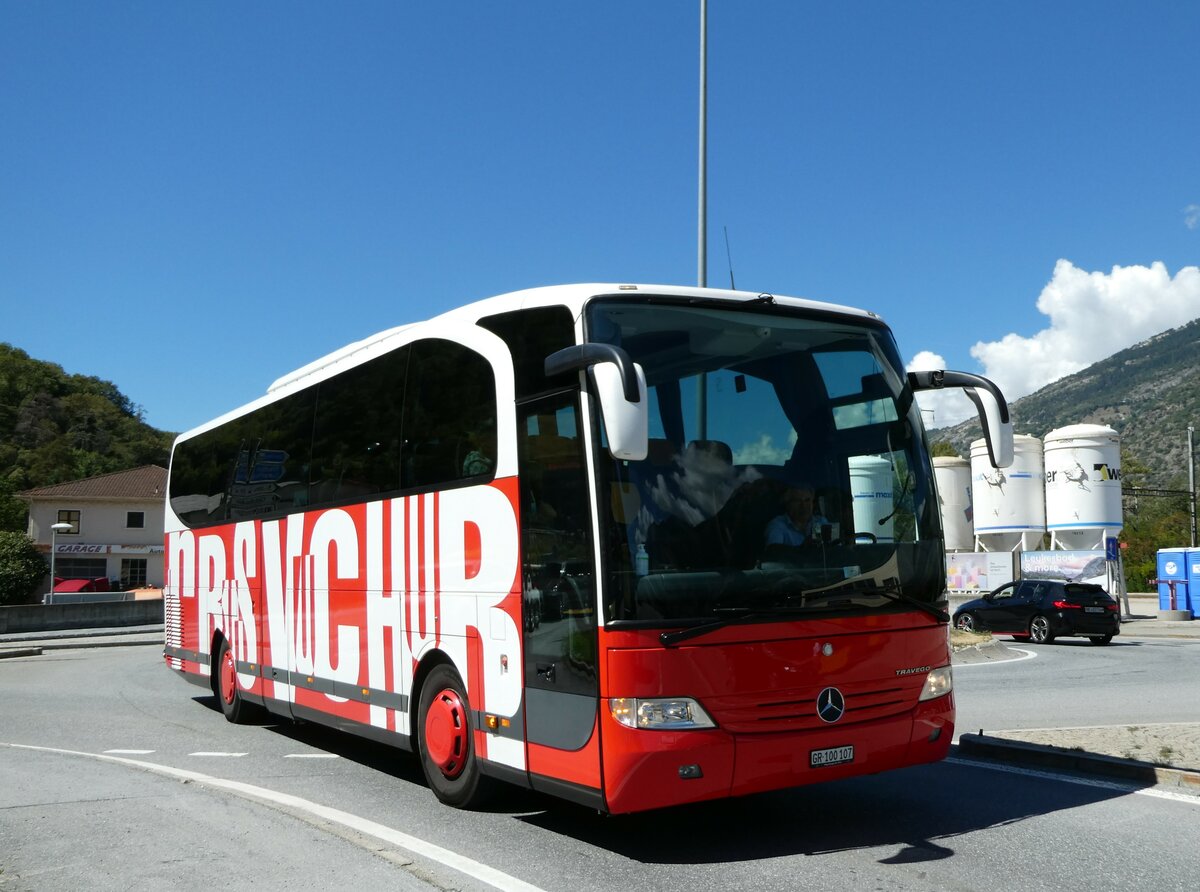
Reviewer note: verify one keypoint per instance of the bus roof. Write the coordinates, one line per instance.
(571, 296)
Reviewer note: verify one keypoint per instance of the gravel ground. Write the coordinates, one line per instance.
(1172, 746)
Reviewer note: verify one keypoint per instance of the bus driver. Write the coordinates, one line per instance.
(797, 525)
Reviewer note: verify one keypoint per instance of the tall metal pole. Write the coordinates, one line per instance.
(53, 536)
(55, 529)
(1192, 481)
(702, 237)
(702, 242)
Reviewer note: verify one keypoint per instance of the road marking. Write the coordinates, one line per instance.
(310, 756)
(1028, 655)
(219, 755)
(1080, 781)
(460, 863)
(129, 752)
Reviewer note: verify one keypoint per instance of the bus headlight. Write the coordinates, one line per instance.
(938, 683)
(660, 713)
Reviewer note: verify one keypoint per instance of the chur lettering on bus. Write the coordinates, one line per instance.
(337, 605)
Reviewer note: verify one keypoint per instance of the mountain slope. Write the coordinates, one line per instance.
(1148, 393)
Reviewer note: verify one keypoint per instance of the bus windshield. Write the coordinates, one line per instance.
(787, 469)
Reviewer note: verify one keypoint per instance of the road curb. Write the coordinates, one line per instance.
(6, 653)
(1045, 756)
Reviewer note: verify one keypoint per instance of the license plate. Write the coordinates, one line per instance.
(1093, 609)
(835, 755)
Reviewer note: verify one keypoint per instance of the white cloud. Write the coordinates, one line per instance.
(939, 408)
(1091, 316)
(1191, 216)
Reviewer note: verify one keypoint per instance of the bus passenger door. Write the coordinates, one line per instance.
(558, 571)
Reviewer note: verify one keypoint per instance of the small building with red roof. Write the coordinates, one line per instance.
(115, 534)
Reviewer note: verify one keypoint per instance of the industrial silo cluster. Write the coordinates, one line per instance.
(1056, 511)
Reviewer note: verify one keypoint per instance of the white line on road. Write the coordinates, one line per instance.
(1080, 781)
(129, 752)
(482, 872)
(219, 755)
(310, 755)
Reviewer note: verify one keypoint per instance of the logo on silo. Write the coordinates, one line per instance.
(995, 478)
(1106, 471)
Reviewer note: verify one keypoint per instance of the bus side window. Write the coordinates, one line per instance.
(356, 435)
(449, 419)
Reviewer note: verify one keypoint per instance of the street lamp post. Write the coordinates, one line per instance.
(1192, 481)
(55, 529)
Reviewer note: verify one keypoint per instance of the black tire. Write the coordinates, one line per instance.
(445, 740)
(1039, 630)
(1101, 639)
(966, 622)
(229, 696)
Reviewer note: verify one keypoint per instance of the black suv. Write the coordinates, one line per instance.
(1042, 610)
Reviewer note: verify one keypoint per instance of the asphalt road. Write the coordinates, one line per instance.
(173, 808)
(1071, 683)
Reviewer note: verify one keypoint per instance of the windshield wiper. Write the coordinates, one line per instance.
(729, 615)
(890, 590)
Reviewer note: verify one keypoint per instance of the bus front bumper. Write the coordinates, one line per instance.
(653, 769)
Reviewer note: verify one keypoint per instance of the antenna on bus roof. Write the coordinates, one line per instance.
(729, 259)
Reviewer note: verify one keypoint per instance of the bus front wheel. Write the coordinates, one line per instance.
(235, 708)
(446, 742)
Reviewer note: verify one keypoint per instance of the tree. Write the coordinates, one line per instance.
(941, 448)
(22, 568)
(1154, 519)
(56, 427)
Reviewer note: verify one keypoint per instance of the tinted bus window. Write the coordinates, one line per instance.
(356, 436)
(531, 336)
(449, 416)
(253, 466)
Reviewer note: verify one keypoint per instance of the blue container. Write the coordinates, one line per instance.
(1173, 567)
(1193, 574)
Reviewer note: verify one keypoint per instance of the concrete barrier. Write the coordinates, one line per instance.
(97, 615)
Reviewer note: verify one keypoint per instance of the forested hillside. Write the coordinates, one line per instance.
(56, 427)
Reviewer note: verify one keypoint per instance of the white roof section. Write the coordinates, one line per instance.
(572, 296)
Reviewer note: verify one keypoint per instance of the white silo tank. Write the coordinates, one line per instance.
(871, 488)
(953, 476)
(1083, 486)
(1009, 505)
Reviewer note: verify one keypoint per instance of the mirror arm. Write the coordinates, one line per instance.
(938, 379)
(582, 356)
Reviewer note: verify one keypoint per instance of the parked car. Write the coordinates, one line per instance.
(1042, 610)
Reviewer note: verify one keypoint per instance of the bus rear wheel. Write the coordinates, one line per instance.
(445, 740)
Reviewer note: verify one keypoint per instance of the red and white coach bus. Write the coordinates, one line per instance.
(535, 539)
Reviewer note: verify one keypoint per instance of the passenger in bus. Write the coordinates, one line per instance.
(798, 524)
(479, 446)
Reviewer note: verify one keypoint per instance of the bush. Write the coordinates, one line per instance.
(22, 568)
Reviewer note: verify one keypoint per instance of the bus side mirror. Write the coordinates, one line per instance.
(620, 385)
(989, 404)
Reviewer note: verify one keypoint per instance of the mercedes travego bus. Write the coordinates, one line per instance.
(630, 545)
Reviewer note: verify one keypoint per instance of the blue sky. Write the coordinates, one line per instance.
(197, 197)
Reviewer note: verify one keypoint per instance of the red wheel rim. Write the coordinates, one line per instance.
(228, 677)
(446, 731)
